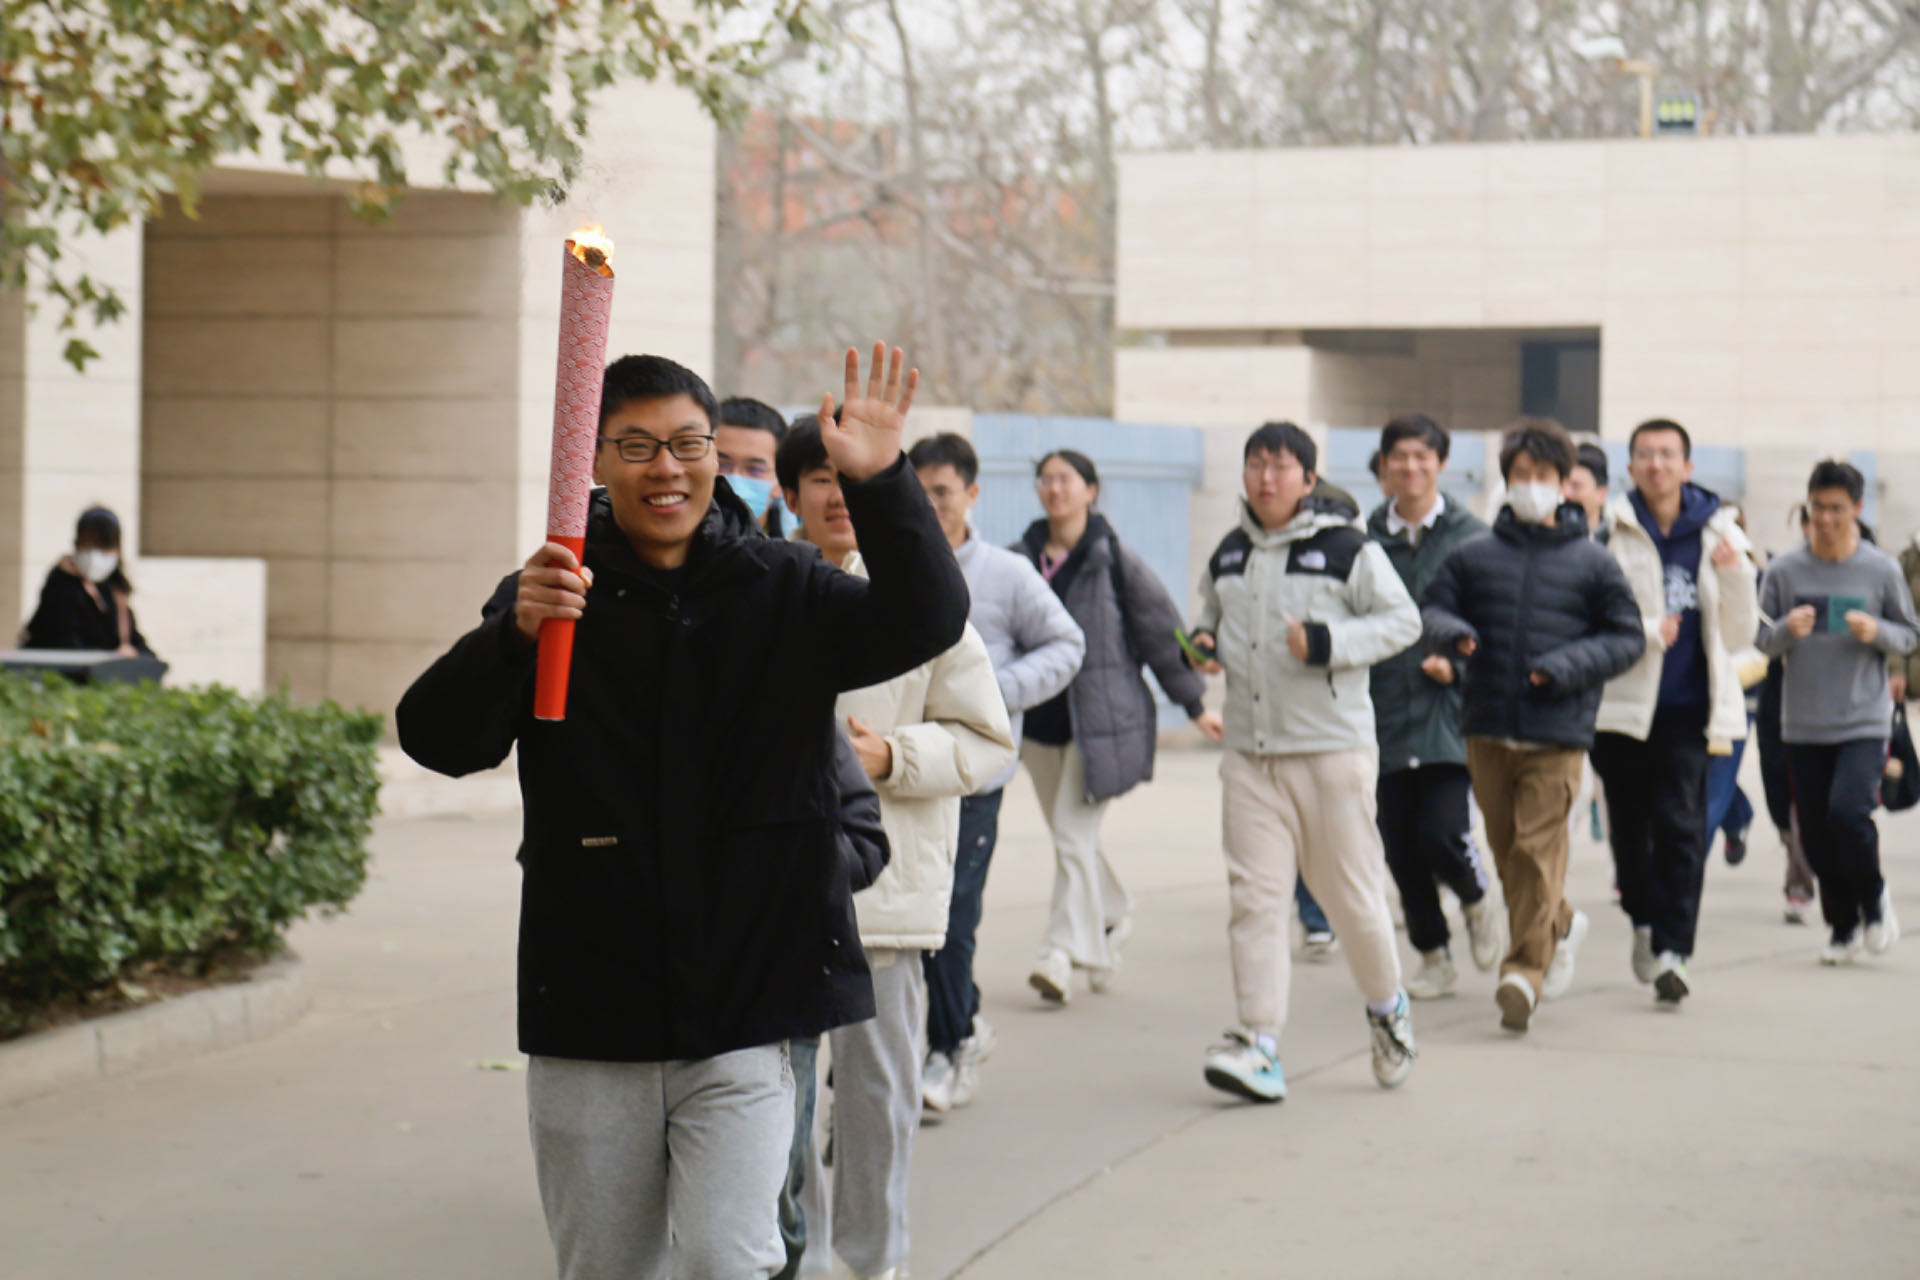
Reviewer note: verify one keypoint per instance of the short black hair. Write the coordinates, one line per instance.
(99, 526)
(1079, 461)
(946, 450)
(1415, 426)
(1594, 459)
(1662, 424)
(1835, 474)
(1373, 463)
(745, 411)
(633, 378)
(801, 450)
(1275, 437)
(1543, 440)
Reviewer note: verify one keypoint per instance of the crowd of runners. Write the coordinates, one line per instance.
(754, 852)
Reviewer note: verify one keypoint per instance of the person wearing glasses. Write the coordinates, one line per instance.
(746, 435)
(686, 905)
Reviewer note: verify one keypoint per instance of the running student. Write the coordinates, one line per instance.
(1095, 741)
(1663, 722)
(1298, 605)
(1036, 648)
(1542, 617)
(685, 905)
(1836, 609)
(1425, 821)
(926, 738)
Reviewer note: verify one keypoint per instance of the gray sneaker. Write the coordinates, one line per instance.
(1646, 965)
(1436, 977)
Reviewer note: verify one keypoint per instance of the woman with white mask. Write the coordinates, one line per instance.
(85, 603)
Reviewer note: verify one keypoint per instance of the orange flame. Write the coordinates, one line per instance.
(594, 247)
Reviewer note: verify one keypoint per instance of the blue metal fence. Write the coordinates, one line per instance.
(1147, 477)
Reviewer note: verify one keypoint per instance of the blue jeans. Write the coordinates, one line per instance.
(952, 997)
(1728, 808)
(1311, 916)
(805, 1054)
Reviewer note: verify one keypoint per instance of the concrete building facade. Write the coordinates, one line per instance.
(327, 440)
(1765, 292)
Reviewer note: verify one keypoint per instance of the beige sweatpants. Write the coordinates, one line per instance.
(1088, 898)
(1314, 813)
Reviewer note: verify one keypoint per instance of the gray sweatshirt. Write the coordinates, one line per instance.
(1836, 687)
(1035, 644)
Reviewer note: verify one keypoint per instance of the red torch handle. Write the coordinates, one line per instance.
(555, 662)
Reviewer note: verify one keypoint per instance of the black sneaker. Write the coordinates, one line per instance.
(1736, 848)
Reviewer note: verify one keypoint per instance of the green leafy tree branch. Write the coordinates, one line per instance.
(107, 107)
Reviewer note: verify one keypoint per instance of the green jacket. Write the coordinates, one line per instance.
(1416, 717)
(1908, 664)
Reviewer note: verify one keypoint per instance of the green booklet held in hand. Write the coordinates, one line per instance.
(1830, 612)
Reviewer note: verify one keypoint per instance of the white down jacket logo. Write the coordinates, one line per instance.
(947, 725)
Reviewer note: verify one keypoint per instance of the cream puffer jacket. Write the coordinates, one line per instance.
(947, 725)
(1729, 621)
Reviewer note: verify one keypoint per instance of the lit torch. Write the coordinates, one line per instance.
(586, 309)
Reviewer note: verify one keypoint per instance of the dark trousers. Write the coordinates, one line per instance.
(952, 997)
(1836, 788)
(1425, 825)
(1728, 808)
(805, 1056)
(1312, 918)
(1657, 799)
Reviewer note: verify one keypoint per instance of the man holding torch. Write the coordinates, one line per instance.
(685, 908)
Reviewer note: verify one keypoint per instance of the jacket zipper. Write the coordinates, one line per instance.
(1523, 645)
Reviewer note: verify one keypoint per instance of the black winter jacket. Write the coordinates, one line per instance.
(1534, 598)
(1416, 717)
(684, 888)
(71, 617)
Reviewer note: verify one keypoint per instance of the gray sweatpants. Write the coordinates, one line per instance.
(651, 1169)
(876, 1114)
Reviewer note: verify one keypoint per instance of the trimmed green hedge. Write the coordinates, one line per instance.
(141, 825)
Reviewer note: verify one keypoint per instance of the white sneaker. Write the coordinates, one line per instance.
(973, 1053)
(1515, 997)
(1487, 932)
(1320, 946)
(1885, 931)
(1052, 977)
(1559, 977)
(1241, 1067)
(1799, 910)
(1102, 978)
(1646, 965)
(1670, 984)
(936, 1083)
(1393, 1048)
(1841, 950)
(1436, 977)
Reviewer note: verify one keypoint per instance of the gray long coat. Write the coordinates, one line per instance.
(1114, 719)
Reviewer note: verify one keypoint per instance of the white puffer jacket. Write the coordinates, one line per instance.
(1729, 621)
(947, 725)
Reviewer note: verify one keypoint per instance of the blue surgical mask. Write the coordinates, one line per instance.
(755, 493)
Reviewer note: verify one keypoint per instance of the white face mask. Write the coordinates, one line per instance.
(1533, 503)
(96, 566)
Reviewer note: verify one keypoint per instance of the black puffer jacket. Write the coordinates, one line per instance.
(1129, 620)
(685, 891)
(1534, 598)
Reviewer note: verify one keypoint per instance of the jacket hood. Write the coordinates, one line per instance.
(1314, 515)
(728, 525)
(1570, 524)
(1034, 540)
(1698, 507)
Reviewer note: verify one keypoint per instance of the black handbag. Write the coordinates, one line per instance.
(1900, 783)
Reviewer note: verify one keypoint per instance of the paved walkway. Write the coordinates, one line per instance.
(1772, 1128)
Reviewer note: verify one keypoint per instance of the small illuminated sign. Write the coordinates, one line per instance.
(1679, 113)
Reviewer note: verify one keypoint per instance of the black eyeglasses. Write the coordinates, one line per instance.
(644, 448)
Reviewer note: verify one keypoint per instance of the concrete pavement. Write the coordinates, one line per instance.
(1772, 1127)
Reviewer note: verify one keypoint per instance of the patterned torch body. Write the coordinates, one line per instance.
(586, 309)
